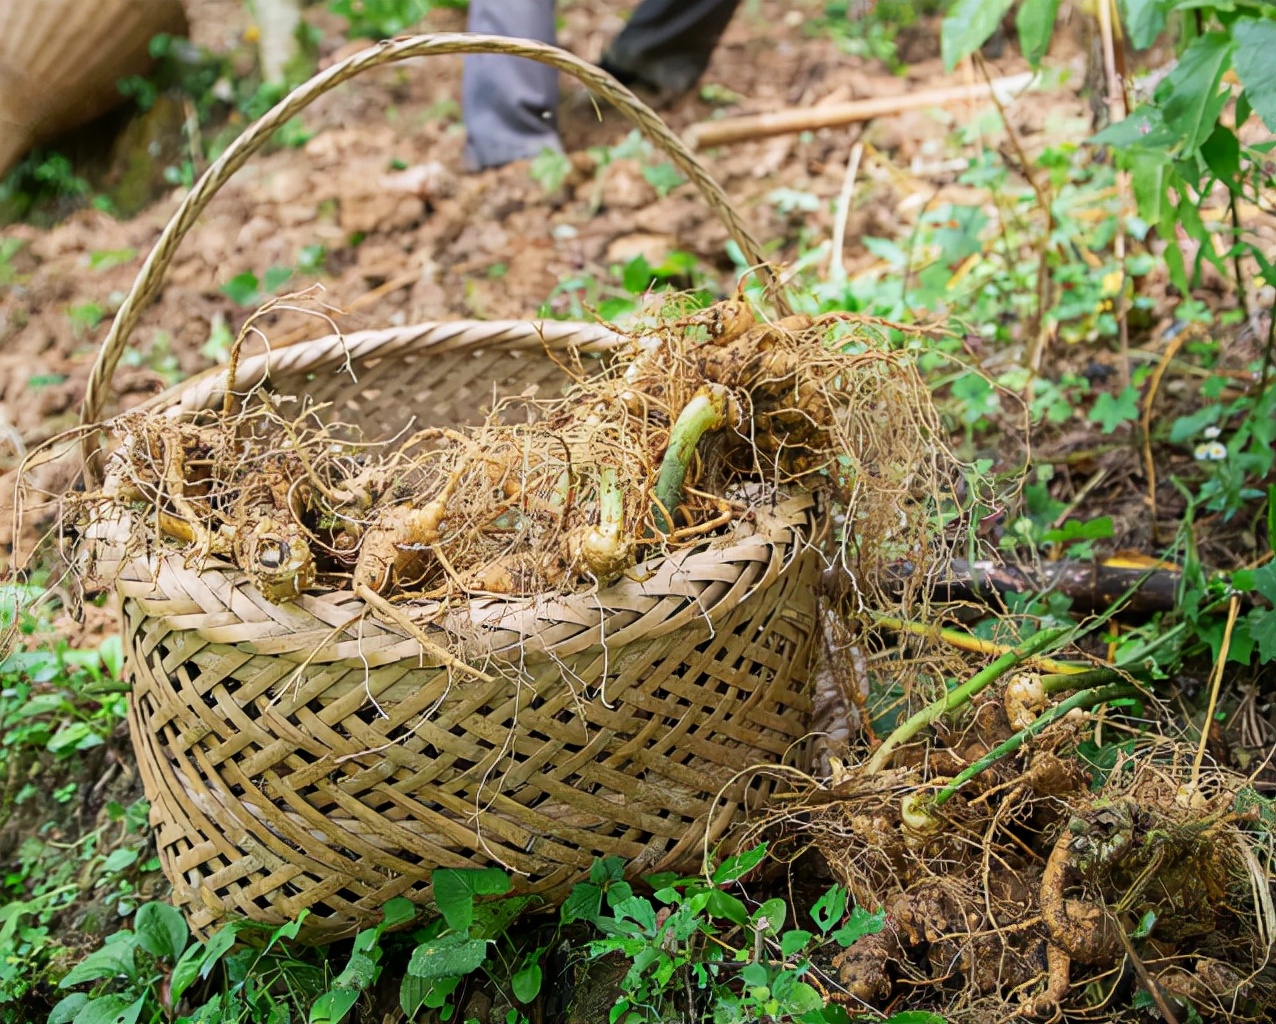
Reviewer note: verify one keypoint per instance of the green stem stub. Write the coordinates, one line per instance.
(605, 549)
(708, 410)
(1047, 639)
(1082, 699)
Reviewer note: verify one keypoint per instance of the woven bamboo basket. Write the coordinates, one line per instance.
(60, 61)
(317, 757)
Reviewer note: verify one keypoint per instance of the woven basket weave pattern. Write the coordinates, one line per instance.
(310, 756)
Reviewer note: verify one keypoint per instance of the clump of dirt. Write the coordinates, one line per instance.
(1039, 891)
(696, 421)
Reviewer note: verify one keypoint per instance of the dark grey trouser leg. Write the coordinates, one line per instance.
(668, 43)
(509, 103)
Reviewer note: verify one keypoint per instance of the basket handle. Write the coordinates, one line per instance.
(387, 52)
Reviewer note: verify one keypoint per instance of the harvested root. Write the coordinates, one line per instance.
(1024, 895)
(653, 453)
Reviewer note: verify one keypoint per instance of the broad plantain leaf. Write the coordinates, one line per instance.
(114, 960)
(526, 984)
(161, 931)
(111, 1010)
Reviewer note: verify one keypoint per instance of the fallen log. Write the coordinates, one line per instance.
(783, 122)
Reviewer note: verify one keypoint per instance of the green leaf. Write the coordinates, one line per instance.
(1243, 106)
(66, 1009)
(75, 736)
(977, 396)
(1271, 516)
(773, 912)
(275, 277)
(724, 905)
(1262, 630)
(199, 959)
(664, 178)
(799, 997)
(447, 956)
(607, 869)
(1222, 154)
(359, 973)
(1144, 20)
(242, 289)
(1265, 581)
(550, 169)
(111, 1010)
(397, 911)
(1255, 63)
(186, 970)
(915, 1017)
(739, 865)
(161, 931)
(455, 889)
(583, 903)
(120, 859)
(492, 919)
(526, 984)
(1110, 411)
(412, 993)
(637, 275)
(1073, 529)
(1144, 128)
(1187, 427)
(829, 908)
(755, 975)
(617, 893)
(1175, 264)
(640, 911)
(114, 960)
(793, 941)
(1035, 22)
(218, 944)
(1189, 95)
(105, 259)
(860, 924)
(332, 1007)
(968, 25)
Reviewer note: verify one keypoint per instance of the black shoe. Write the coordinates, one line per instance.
(659, 86)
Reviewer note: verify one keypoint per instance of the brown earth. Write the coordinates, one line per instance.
(433, 242)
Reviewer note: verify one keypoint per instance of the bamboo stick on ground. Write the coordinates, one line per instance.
(781, 122)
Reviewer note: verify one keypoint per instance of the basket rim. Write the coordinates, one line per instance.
(207, 391)
(701, 583)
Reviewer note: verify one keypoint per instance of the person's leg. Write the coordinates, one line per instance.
(666, 44)
(509, 103)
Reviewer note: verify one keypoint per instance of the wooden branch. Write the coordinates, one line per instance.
(1090, 585)
(782, 122)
